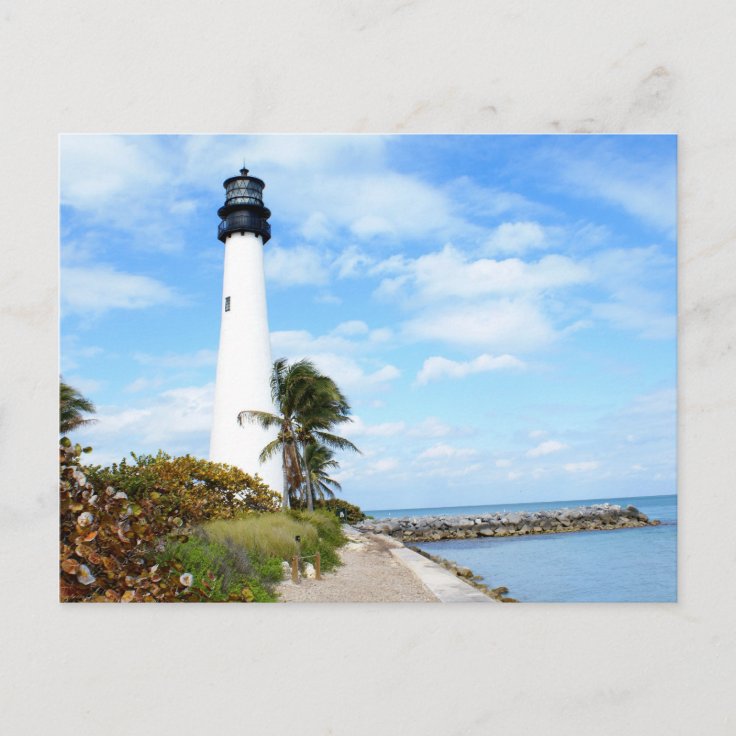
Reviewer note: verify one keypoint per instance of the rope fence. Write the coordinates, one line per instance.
(295, 566)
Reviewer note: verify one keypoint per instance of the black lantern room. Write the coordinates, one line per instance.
(243, 210)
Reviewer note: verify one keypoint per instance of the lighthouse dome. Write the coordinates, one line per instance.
(243, 210)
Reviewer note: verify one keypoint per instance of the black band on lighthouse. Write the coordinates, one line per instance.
(243, 210)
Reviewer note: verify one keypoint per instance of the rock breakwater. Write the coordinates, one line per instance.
(507, 524)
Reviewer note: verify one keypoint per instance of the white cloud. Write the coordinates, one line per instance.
(514, 475)
(352, 261)
(438, 367)
(301, 343)
(449, 273)
(178, 412)
(97, 289)
(130, 185)
(477, 200)
(349, 374)
(333, 353)
(384, 465)
(536, 433)
(327, 299)
(352, 327)
(502, 463)
(546, 448)
(297, 266)
(497, 305)
(581, 467)
(442, 451)
(517, 237)
(642, 189)
(506, 325)
(316, 227)
(358, 428)
(142, 384)
(640, 290)
(350, 337)
(98, 170)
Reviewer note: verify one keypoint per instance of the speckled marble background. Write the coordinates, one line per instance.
(382, 66)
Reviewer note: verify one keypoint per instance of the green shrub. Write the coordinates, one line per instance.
(136, 544)
(107, 541)
(353, 514)
(190, 488)
(327, 525)
(222, 571)
(270, 538)
(263, 536)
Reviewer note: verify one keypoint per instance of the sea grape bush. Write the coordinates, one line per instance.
(198, 490)
(110, 539)
(352, 514)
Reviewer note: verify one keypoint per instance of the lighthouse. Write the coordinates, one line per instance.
(244, 358)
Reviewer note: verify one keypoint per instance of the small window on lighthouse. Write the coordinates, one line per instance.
(227, 303)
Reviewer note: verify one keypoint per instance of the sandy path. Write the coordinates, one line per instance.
(369, 574)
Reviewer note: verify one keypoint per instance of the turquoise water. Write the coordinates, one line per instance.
(622, 565)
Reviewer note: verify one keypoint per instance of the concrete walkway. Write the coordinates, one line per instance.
(377, 568)
(447, 586)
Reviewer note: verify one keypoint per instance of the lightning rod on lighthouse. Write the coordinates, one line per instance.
(244, 360)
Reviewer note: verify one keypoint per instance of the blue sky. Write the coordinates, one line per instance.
(500, 310)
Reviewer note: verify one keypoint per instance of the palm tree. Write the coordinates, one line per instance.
(325, 406)
(71, 406)
(318, 461)
(307, 405)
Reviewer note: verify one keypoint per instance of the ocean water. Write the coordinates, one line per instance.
(621, 565)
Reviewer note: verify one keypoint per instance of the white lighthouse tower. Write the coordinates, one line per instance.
(244, 358)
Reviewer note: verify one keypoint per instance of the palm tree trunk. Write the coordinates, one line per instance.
(285, 498)
(310, 496)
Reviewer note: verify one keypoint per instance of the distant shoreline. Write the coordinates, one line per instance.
(557, 503)
(434, 528)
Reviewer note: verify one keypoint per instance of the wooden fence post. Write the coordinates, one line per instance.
(294, 569)
(318, 567)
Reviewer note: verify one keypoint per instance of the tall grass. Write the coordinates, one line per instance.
(273, 535)
(226, 568)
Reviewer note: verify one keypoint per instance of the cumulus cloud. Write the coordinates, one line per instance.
(546, 448)
(438, 367)
(178, 420)
(505, 324)
(297, 266)
(343, 353)
(351, 327)
(517, 238)
(450, 273)
(351, 262)
(353, 336)
(94, 290)
(350, 374)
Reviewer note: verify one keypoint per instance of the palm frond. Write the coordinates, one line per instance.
(262, 418)
(338, 443)
(270, 450)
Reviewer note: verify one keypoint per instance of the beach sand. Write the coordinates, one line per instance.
(369, 574)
